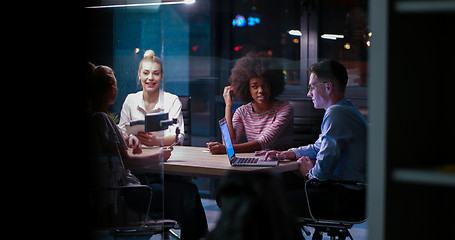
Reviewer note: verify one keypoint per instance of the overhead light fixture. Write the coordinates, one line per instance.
(295, 33)
(136, 3)
(332, 36)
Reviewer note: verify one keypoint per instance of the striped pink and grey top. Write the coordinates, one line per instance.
(272, 129)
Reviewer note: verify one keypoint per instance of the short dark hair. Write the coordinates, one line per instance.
(256, 65)
(330, 70)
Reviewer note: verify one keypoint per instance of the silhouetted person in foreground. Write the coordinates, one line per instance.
(254, 207)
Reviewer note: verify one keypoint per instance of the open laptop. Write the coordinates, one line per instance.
(239, 161)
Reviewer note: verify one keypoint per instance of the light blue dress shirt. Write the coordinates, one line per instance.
(340, 150)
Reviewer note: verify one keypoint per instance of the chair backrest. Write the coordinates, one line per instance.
(341, 211)
(307, 122)
(186, 111)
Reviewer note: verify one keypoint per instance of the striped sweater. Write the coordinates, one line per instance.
(273, 129)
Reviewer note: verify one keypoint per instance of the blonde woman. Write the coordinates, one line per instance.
(151, 100)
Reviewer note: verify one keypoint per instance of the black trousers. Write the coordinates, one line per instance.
(326, 200)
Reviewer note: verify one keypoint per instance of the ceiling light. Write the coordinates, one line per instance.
(295, 33)
(332, 36)
(137, 3)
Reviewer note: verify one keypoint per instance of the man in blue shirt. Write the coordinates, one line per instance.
(340, 151)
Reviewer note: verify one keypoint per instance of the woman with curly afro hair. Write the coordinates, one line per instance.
(257, 80)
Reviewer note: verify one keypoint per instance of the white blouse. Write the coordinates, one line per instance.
(134, 109)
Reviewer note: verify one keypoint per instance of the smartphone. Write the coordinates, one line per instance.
(175, 143)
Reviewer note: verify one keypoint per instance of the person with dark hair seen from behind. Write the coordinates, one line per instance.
(338, 154)
(109, 159)
(110, 163)
(257, 80)
(253, 207)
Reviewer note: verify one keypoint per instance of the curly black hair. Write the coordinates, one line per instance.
(256, 65)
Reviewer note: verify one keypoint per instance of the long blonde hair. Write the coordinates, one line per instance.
(149, 56)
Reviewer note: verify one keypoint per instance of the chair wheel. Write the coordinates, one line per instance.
(307, 232)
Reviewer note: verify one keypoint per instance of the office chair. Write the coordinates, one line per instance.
(336, 226)
(145, 227)
(186, 112)
(307, 122)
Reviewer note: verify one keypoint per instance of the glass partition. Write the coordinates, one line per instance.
(119, 37)
(199, 43)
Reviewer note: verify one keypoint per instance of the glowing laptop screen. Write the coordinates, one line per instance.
(227, 138)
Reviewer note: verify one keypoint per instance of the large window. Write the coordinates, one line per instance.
(298, 33)
(343, 34)
(199, 44)
(266, 26)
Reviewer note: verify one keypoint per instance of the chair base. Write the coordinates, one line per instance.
(335, 230)
(149, 228)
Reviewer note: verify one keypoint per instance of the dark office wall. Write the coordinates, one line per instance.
(419, 135)
(163, 29)
(98, 36)
(420, 77)
(114, 34)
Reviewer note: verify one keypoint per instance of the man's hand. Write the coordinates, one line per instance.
(274, 155)
(305, 165)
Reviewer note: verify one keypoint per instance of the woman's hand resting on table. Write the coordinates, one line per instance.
(134, 143)
(166, 153)
(216, 147)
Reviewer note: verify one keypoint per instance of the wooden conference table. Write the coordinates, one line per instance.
(198, 161)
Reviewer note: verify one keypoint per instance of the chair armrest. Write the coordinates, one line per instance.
(315, 182)
(123, 191)
(128, 187)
